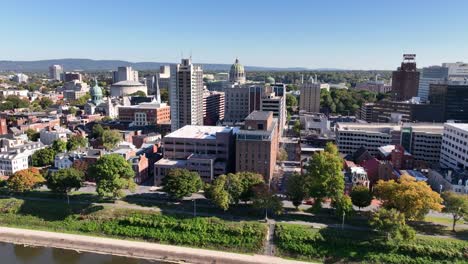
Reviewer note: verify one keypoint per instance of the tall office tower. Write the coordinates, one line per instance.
(405, 80)
(257, 144)
(124, 74)
(55, 72)
(152, 84)
(213, 107)
(241, 101)
(458, 71)
(309, 100)
(164, 76)
(186, 94)
(452, 97)
(71, 76)
(237, 73)
(432, 74)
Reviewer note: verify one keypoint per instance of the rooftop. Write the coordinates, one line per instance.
(128, 83)
(199, 132)
(387, 127)
(258, 115)
(462, 126)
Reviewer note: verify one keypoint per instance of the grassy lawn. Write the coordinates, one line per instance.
(337, 246)
(202, 232)
(440, 220)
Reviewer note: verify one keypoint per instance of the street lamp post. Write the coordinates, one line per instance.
(342, 223)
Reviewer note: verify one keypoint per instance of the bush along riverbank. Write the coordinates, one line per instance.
(334, 245)
(200, 232)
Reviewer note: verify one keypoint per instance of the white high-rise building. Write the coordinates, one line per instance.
(20, 78)
(431, 74)
(186, 94)
(454, 150)
(124, 74)
(55, 72)
(457, 71)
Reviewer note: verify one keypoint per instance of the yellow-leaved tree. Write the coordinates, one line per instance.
(410, 197)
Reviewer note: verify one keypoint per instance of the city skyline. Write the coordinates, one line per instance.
(338, 34)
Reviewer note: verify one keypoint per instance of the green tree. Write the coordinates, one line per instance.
(76, 141)
(323, 177)
(361, 196)
(297, 127)
(291, 100)
(180, 183)
(25, 180)
(59, 146)
(392, 224)
(98, 130)
(32, 134)
(110, 139)
(112, 173)
(73, 110)
(296, 189)
(282, 155)
(343, 205)
(408, 196)
(265, 199)
(65, 180)
(82, 100)
(217, 193)
(456, 205)
(43, 157)
(164, 94)
(232, 188)
(45, 102)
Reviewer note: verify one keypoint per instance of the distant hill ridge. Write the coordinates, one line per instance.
(107, 65)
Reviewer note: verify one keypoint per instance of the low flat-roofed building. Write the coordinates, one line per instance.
(208, 150)
(422, 140)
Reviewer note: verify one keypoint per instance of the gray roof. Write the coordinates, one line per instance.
(259, 115)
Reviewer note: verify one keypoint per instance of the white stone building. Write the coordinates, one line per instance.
(454, 150)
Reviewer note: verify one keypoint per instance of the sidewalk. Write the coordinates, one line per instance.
(132, 248)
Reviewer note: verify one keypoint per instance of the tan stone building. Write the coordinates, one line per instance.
(257, 144)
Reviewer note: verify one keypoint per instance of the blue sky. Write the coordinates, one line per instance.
(352, 34)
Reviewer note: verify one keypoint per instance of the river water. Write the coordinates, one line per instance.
(17, 254)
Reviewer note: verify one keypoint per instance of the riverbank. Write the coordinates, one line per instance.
(132, 249)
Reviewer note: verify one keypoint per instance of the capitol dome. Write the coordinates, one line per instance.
(127, 87)
(270, 80)
(237, 73)
(96, 93)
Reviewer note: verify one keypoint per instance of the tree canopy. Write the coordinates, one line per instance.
(392, 224)
(265, 198)
(180, 183)
(361, 196)
(65, 180)
(43, 157)
(32, 134)
(324, 177)
(456, 205)
(112, 173)
(408, 196)
(76, 141)
(296, 189)
(59, 146)
(110, 139)
(232, 188)
(25, 180)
